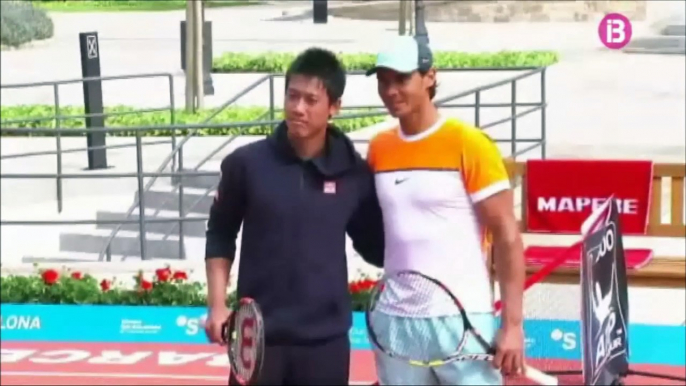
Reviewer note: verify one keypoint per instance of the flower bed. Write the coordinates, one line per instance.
(166, 287)
(167, 307)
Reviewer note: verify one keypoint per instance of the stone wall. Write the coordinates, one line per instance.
(501, 11)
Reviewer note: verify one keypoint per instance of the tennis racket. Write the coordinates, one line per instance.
(244, 334)
(424, 290)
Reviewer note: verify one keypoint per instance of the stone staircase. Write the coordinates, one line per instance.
(161, 201)
(670, 39)
(84, 243)
(162, 239)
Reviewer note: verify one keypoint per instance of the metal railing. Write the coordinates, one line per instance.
(176, 155)
(58, 118)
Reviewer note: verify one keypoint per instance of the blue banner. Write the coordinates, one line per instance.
(89, 323)
(553, 339)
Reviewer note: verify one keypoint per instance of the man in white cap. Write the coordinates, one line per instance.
(446, 198)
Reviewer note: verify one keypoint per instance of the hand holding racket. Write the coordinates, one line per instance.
(214, 323)
(509, 347)
(243, 333)
(428, 288)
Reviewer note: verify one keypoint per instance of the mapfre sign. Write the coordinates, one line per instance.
(560, 194)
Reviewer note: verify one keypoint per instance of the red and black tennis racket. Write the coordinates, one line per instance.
(244, 334)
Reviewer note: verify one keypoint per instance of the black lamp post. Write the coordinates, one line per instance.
(421, 33)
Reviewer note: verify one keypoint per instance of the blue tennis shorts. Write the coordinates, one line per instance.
(431, 338)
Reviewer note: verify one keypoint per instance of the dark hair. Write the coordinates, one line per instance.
(322, 64)
(432, 89)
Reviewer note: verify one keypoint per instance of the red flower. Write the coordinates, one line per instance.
(163, 274)
(355, 287)
(180, 276)
(50, 276)
(146, 285)
(367, 284)
(76, 275)
(105, 285)
(364, 285)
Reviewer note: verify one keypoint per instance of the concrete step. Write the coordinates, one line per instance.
(122, 245)
(195, 200)
(659, 44)
(56, 260)
(200, 182)
(674, 30)
(190, 229)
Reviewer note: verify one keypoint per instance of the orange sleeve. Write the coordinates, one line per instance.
(376, 145)
(370, 153)
(483, 168)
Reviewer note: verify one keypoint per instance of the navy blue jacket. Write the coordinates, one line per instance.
(295, 215)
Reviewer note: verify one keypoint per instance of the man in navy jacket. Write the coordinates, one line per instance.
(296, 194)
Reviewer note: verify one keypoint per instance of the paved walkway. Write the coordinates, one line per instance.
(604, 103)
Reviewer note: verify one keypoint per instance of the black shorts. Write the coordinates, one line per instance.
(324, 363)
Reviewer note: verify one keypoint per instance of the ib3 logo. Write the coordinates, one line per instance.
(191, 325)
(615, 31)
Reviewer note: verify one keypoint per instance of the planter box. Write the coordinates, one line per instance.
(551, 339)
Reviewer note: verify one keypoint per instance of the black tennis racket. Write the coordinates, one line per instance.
(244, 334)
(424, 290)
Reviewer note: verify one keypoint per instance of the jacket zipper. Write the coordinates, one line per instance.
(302, 181)
(297, 227)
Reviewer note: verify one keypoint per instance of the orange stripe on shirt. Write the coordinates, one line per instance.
(389, 152)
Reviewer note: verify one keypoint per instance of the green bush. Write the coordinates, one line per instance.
(21, 22)
(128, 5)
(28, 114)
(278, 61)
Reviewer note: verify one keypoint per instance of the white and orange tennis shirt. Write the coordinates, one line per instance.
(427, 185)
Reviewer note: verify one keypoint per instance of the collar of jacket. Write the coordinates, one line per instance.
(338, 158)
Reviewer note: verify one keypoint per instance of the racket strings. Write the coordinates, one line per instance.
(414, 295)
(413, 318)
(243, 344)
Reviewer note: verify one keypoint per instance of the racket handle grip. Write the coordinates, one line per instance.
(540, 377)
(225, 332)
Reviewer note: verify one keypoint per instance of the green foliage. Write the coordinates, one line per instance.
(278, 62)
(165, 288)
(127, 5)
(21, 22)
(55, 287)
(360, 291)
(30, 118)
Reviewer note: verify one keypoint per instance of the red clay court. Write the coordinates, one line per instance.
(40, 363)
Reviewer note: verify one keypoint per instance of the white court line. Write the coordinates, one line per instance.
(123, 375)
(109, 375)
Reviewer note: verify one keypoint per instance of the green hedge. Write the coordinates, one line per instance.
(21, 23)
(278, 62)
(128, 5)
(161, 118)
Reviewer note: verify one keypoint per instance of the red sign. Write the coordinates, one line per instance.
(561, 194)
